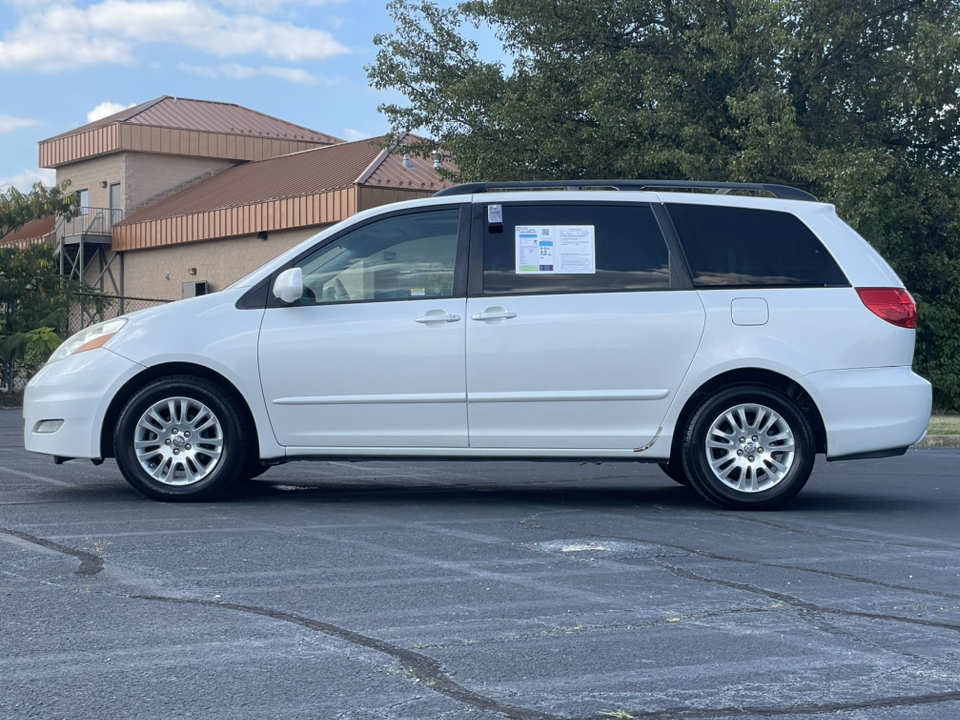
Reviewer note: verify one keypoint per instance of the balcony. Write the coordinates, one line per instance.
(94, 225)
(84, 239)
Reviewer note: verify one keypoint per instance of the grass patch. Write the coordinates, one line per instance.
(944, 425)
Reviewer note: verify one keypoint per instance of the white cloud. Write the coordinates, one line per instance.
(61, 36)
(243, 72)
(106, 109)
(351, 135)
(25, 180)
(201, 70)
(294, 75)
(238, 72)
(8, 123)
(267, 6)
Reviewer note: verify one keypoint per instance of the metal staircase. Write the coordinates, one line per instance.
(85, 248)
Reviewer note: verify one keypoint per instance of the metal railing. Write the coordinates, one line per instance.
(89, 221)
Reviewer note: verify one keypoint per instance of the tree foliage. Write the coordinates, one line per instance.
(17, 208)
(34, 299)
(855, 101)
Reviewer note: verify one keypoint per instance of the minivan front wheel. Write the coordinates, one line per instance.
(748, 447)
(179, 439)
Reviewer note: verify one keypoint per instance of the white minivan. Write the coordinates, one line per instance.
(726, 336)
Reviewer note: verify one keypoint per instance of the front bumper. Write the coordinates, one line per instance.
(77, 390)
(871, 410)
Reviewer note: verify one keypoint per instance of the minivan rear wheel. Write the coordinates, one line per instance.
(179, 439)
(748, 447)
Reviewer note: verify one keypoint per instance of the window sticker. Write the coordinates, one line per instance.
(566, 249)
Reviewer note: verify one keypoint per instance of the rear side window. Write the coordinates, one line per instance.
(623, 249)
(731, 247)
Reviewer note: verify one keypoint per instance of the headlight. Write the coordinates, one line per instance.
(90, 338)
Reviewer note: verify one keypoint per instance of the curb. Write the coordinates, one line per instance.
(939, 441)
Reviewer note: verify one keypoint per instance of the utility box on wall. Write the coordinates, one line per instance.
(193, 289)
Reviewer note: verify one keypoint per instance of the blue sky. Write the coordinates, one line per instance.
(64, 63)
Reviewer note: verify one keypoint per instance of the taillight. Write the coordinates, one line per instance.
(895, 305)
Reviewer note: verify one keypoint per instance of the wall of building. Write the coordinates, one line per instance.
(88, 174)
(219, 262)
(141, 176)
(148, 175)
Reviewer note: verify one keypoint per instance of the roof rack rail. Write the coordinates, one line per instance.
(784, 192)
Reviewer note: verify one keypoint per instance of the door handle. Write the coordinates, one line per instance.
(501, 315)
(438, 317)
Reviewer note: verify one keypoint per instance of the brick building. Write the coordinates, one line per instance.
(184, 196)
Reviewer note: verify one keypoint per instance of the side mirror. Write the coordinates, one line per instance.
(288, 287)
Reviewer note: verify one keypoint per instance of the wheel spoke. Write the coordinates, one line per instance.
(723, 466)
(160, 423)
(742, 415)
(771, 419)
(748, 480)
(777, 468)
(188, 472)
(211, 422)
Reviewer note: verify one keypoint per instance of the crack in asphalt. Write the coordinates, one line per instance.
(425, 670)
(90, 564)
(885, 542)
(530, 524)
(803, 604)
(429, 673)
(761, 711)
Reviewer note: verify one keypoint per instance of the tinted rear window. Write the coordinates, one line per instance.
(629, 247)
(732, 247)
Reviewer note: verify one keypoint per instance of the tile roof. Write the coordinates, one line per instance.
(305, 173)
(206, 116)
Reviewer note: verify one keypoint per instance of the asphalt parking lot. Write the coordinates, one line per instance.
(536, 591)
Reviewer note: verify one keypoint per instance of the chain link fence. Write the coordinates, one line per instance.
(86, 309)
(89, 309)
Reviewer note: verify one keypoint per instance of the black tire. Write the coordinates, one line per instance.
(674, 471)
(762, 448)
(191, 447)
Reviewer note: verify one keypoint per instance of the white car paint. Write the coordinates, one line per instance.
(589, 371)
(365, 374)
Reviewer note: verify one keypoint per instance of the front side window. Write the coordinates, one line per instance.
(397, 258)
(541, 248)
(743, 247)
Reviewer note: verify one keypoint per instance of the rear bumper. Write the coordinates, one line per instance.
(871, 411)
(78, 391)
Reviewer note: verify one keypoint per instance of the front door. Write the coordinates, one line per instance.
(373, 354)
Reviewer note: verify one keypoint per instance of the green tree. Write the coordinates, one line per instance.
(855, 101)
(34, 299)
(17, 208)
